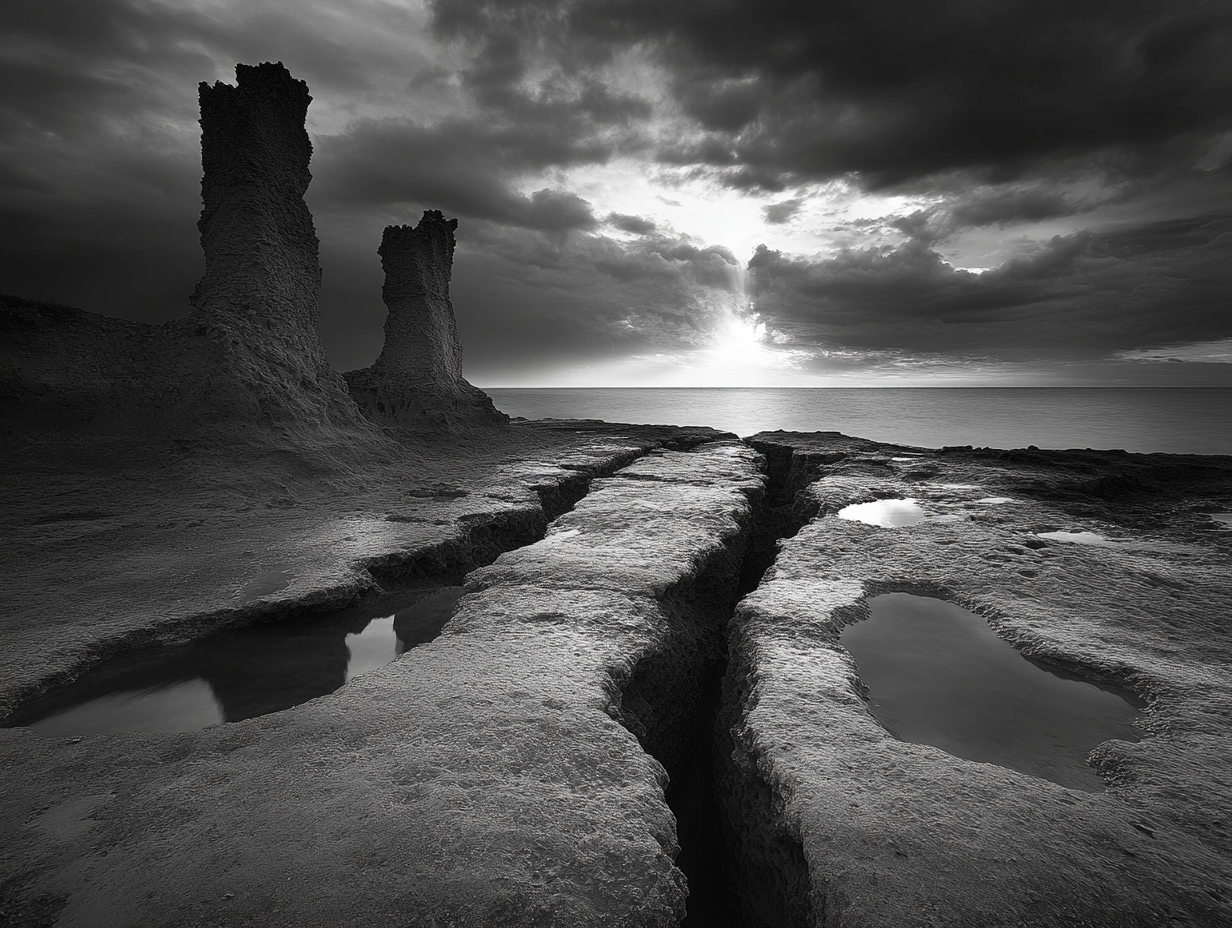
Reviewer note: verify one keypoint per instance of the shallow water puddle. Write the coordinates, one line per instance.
(937, 674)
(1224, 517)
(887, 513)
(240, 674)
(1076, 538)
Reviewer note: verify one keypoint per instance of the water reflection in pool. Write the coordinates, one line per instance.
(1076, 538)
(887, 513)
(240, 674)
(937, 674)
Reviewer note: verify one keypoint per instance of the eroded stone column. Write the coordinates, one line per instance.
(258, 237)
(249, 353)
(416, 384)
(421, 335)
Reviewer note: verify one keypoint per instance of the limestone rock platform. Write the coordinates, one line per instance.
(840, 823)
(519, 769)
(492, 777)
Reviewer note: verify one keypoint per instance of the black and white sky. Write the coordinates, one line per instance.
(675, 192)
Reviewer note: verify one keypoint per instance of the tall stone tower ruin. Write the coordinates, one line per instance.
(255, 312)
(257, 234)
(246, 365)
(416, 384)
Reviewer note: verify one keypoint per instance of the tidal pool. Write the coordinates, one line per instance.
(239, 674)
(937, 674)
(887, 513)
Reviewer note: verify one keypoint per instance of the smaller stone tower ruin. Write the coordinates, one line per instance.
(416, 384)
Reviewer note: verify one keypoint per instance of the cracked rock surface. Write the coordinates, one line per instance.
(866, 830)
(490, 777)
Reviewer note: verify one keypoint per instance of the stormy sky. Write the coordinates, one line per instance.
(675, 192)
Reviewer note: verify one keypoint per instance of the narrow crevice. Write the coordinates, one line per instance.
(682, 701)
(789, 507)
(764, 857)
(764, 860)
(487, 538)
(670, 699)
(695, 799)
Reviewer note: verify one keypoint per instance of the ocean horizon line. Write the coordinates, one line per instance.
(882, 387)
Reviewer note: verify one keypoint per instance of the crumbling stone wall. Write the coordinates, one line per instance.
(416, 383)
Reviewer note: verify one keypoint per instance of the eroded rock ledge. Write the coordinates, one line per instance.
(416, 384)
(839, 823)
(498, 776)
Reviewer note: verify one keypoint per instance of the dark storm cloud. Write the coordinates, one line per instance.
(100, 166)
(1009, 206)
(566, 99)
(599, 297)
(995, 117)
(781, 212)
(635, 225)
(1084, 295)
(462, 167)
(896, 89)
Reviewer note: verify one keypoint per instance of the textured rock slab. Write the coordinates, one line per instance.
(108, 545)
(487, 778)
(873, 831)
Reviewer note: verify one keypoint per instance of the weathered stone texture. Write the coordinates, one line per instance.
(840, 823)
(416, 383)
(496, 776)
(257, 234)
(247, 361)
(421, 336)
(62, 368)
(254, 324)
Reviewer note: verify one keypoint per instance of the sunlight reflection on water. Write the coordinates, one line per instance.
(886, 513)
(239, 674)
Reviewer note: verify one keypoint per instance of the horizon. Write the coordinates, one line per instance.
(674, 195)
(882, 387)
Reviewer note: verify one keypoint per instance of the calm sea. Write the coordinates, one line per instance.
(1178, 420)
